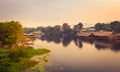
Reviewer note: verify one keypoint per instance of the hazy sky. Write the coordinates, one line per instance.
(33, 13)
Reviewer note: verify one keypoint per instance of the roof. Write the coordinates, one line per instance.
(98, 33)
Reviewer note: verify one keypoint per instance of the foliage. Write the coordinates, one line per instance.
(102, 26)
(17, 53)
(113, 26)
(29, 30)
(10, 33)
(17, 59)
(40, 28)
(66, 28)
(4, 60)
(78, 27)
(57, 30)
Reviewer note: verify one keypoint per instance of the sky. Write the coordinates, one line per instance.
(33, 13)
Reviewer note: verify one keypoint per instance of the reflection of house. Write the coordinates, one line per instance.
(102, 45)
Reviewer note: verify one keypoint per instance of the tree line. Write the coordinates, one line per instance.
(56, 30)
(65, 28)
(113, 26)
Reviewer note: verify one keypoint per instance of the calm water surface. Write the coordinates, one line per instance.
(81, 56)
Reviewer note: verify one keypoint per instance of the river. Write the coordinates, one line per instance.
(81, 56)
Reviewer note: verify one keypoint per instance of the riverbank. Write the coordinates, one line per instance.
(18, 59)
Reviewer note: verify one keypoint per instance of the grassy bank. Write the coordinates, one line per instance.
(18, 59)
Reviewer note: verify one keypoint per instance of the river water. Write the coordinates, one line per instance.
(81, 56)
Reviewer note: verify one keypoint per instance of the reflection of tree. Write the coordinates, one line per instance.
(66, 41)
(115, 46)
(49, 39)
(89, 41)
(42, 38)
(56, 39)
(78, 42)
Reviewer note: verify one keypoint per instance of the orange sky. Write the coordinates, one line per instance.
(34, 13)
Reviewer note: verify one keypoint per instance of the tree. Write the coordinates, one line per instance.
(102, 26)
(57, 28)
(99, 26)
(115, 26)
(49, 30)
(107, 27)
(66, 28)
(11, 33)
(29, 30)
(78, 27)
(40, 28)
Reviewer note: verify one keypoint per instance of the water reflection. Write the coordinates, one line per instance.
(66, 41)
(55, 39)
(99, 45)
(78, 43)
(76, 55)
(115, 46)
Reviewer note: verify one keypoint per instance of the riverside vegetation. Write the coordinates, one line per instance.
(14, 56)
(18, 59)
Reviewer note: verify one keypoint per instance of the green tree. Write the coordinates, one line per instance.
(11, 33)
(4, 60)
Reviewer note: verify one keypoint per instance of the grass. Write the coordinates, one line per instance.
(23, 52)
(18, 58)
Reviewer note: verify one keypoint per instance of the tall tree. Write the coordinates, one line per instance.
(115, 26)
(66, 28)
(78, 27)
(11, 33)
(57, 28)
